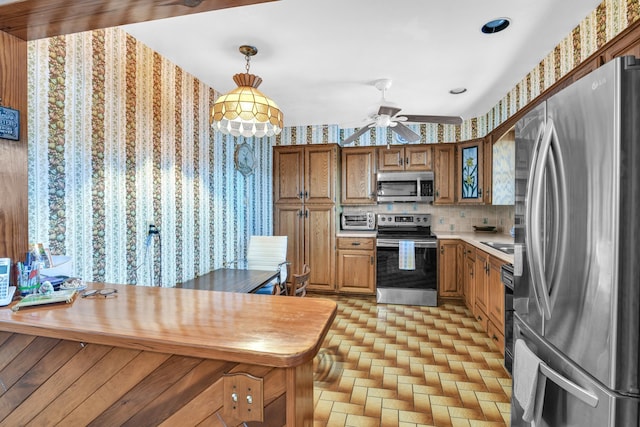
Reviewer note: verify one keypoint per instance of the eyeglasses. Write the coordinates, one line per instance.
(99, 292)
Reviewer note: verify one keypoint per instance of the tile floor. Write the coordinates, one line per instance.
(395, 365)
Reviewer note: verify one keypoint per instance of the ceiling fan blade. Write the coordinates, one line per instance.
(388, 110)
(356, 135)
(406, 133)
(447, 120)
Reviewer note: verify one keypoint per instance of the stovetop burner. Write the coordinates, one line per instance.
(405, 226)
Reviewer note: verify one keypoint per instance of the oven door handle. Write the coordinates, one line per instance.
(394, 243)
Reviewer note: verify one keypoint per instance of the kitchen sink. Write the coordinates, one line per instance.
(507, 248)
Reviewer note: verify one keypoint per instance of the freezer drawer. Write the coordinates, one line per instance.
(572, 397)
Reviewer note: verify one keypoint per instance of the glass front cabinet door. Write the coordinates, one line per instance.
(470, 168)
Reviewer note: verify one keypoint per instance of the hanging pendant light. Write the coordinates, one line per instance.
(245, 111)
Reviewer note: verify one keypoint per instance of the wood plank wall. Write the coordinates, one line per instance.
(46, 381)
(13, 154)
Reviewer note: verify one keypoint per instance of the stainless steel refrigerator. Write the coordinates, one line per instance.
(576, 266)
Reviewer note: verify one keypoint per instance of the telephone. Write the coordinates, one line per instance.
(6, 291)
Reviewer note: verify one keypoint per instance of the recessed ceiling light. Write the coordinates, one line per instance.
(495, 26)
(458, 90)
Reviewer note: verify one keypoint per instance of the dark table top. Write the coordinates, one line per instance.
(230, 280)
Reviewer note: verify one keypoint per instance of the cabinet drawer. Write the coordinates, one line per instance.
(481, 318)
(470, 252)
(497, 336)
(364, 243)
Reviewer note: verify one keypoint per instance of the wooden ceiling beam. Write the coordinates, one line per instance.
(36, 19)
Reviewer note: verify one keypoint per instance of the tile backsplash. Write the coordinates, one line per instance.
(449, 218)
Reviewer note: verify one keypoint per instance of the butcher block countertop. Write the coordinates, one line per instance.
(277, 331)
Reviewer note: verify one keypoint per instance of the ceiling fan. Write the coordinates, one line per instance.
(387, 116)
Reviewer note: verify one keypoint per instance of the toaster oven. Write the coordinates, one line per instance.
(358, 221)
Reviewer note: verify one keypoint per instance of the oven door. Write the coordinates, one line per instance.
(396, 286)
(388, 269)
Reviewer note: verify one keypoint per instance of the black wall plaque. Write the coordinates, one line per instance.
(9, 123)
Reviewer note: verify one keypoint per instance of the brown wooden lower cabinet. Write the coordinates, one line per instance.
(481, 279)
(483, 291)
(468, 271)
(356, 265)
(448, 284)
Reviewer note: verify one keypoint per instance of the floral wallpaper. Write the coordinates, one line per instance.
(119, 138)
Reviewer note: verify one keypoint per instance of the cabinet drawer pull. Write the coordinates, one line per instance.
(355, 243)
(371, 259)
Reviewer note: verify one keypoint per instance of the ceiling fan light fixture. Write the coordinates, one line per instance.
(245, 111)
(495, 25)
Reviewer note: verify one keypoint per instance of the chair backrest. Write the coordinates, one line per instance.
(300, 282)
(268, 253)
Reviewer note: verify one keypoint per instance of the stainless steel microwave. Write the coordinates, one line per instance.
(416, 187)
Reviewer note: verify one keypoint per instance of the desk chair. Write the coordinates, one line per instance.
(269, 253)
(300, 282)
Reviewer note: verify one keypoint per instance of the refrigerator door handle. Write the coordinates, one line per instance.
(558, 234)
(532, 216)
(570, 387)
(544, 159)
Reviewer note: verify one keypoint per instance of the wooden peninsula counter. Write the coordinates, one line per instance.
(162, 356)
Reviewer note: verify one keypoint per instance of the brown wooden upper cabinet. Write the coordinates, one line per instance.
(405, 158)
(444, 173)
(305, 173)
(470, 172)
(358, 175)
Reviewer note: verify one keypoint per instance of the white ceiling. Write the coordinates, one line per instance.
(318, 58)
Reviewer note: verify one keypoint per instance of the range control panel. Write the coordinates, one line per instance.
(387, 220)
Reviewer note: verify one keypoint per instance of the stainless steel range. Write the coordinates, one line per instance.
(406, 260)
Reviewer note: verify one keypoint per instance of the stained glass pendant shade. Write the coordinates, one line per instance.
(245, 111)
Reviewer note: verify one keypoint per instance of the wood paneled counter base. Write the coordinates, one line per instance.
(162, 356)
